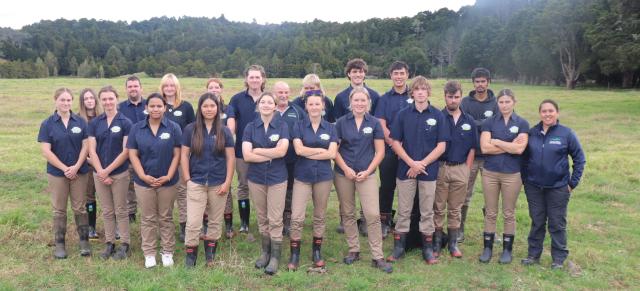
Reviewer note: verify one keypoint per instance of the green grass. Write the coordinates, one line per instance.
(604, 238)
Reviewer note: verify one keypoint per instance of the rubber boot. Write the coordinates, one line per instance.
(276, 249)
(263, 260)
(122, 252)
(228, 225)
(59, 232)
(399, 243)
(463, 218)
(210, 248)
(381, 265)
(316, 254)
(82, 226)
(385, 224)
(507, 248)
(437, 242)
(351, 258)
(340, 228)
(453, 243)
(183, 227)
(488, 247)
(286, 223)
(191, 256)
(109, 250)
(91, 213)
(294, 259)
(427, 250)
(244, 208)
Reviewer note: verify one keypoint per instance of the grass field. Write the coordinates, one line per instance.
(604, 212)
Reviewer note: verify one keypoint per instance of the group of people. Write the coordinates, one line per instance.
(150, 153)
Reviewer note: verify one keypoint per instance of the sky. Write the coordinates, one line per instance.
(24, 12)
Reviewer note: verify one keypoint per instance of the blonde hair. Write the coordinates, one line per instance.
(171, 77)
(363, 90)
(420, 82)
(313, 80)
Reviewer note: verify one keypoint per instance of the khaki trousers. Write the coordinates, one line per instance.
(113, 201)
(451, 192)
(242, 168)
(269, 205)
(368, 191)
(406, 196)
(132, 202)
(494, 183)
(156, 205)
(199, 198)
(302, 193)
(181, 189)
(478, 167)
(63, 189)
(91, 187)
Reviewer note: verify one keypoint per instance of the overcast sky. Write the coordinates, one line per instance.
(24, 12)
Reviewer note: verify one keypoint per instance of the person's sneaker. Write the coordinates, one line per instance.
(149, 261)
(167, 260)
(557, 265)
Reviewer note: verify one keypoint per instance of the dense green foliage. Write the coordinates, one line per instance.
(527, 41)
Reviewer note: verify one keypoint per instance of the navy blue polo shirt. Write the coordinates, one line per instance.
(135, 113)
(209, 168)
(357, 147)
(327, 114)
(341, 103)
(464, 137)
(275, 171)
(155, 151)
(505, 162)
(243, 109)
(480, 111)
(109, 139)
(419, 133)
(390, 103)
(182, 115)
(546, 159)
(66, 142)
(291, 116)
(309, 170)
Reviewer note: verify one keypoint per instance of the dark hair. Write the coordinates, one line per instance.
(258, 68)
(132, 78)
(83, 112)
(554, 103)
(355, 64)
(197, 139)
(398, 65)
(480, 73)
(452, 87)
(506, 92)
(157, 95)
(106, 89)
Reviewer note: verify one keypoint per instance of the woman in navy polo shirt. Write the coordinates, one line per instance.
(90, 108)
(154, 153)
(315, 142)
(548, 183)
(503, 139)
(110, 159)
(181, 112)
(207, 161)
(360, 151)
(264, 144)
(63, 142)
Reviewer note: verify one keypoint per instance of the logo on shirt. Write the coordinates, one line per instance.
(488, 113)
(145, 112)
(293, 115)
(324, 136)
(116, 129)
(555, 140)
(223, 116)
(431, 122)
(367, 130)
(165, 135)
(513, 129)
(466, 126)
(177, 113)
(274, 137)
(76, 129)
(410, 100)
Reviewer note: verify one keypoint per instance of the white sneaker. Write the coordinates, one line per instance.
(149, 261)
(167, 260)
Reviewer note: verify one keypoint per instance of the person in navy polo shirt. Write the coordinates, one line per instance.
(291, 114)
(388, 106)
(419, 136)
(207, 161)
(264, 145)
(181, 112)
(110, 159)
(360, 151)
(311, 82)
(241, 111)
(63, 142)
(154, 152)
(133, 108)
(548, 183)
(316, 143)
(503, 139)
(480, 104)
(455, 165)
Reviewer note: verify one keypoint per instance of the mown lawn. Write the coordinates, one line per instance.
(604, 238)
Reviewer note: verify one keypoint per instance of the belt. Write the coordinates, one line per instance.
(453, 163)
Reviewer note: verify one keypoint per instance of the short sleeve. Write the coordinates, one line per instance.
(132, 143)
(91, 129)
(83, 126)
(297, 130)
(524, 126)
(191, 116)
(228, 137)
(396, 130)
(126, 124)
(487, 124)
(284, 131)
(248, 133)
(377, 131)
(187, 135)
(339, 128)
(380, 109)
(231, 108)
(43, 134)
(332, 133)
(444, 131)
(177, 134)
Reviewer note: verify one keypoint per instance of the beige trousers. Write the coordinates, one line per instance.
(269, 205)
(113, 201)
(302, 193)
(199, 198)
(156, 205)
(494, 183)
(451, 192)
(406, 196)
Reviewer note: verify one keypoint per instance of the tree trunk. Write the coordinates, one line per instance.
(627, 79)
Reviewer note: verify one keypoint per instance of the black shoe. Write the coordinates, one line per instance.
(437, 242)
(191, 257)
(530, 261)
(385, 223)
(210, 249)
(316, 254)
(265, 256)
(340, 228)
(274, 260)
(463, 218)
(382, 265)
(487, 252)
(557, 265)
(91, 215)
(399, 243)
(132, 218)
(294, 259)
(454, 251)
(228, 225)
(183, 227)
(244, 208)
(109, 250)
(122, 252)
(93, 235)
(427, 250)
(507, 248)
(351, 258)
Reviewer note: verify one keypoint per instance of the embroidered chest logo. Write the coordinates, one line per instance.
(466, 127)
(165, 135)
(367, 130)
(76, 130)
(116, 129)
(177, 113)
(274, 137)
(488, 113)
(324, 136)
(513, 129)
(555, 140)
(431, 122)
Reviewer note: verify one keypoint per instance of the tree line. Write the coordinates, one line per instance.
(563, 42)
